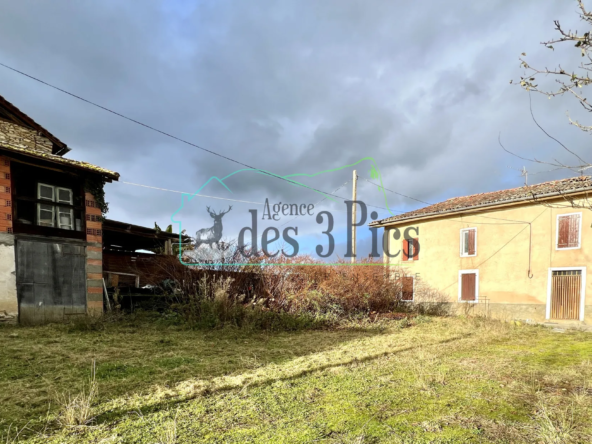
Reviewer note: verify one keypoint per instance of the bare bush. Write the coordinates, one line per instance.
(431, 301)
(293, 286)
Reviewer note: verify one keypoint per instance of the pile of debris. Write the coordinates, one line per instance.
(5, 317)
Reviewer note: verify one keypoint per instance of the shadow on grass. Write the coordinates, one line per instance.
(135, 354)
(116, 414)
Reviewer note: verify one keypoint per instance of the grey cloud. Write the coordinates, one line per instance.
(288, 86)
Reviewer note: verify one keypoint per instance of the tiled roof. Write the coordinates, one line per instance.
(525, 193)
(60, 160)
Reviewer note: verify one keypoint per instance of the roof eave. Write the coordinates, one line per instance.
(533, 199)
(62, 161)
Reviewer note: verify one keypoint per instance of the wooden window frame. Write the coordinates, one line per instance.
(557, 232)
(582, 290)
(53, 216)
(462, 231)
(460, 273)
(57, 206)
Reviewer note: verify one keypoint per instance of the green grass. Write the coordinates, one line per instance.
(440, 380)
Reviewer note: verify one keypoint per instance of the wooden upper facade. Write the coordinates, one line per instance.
(41, 192)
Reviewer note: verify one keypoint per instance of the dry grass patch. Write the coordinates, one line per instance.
(77, 410)
(444, 380)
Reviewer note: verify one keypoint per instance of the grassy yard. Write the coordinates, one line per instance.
(441, 380)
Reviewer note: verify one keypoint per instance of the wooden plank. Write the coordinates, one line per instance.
(565, 296)
(472, 242)
(51, 280)
(468, 282)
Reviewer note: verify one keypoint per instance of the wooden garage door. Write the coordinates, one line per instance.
(566, 288)
(51, 280)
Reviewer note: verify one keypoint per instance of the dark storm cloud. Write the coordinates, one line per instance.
(287, 86)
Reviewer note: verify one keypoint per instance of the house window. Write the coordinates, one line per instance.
(569, 231)
(468, 242)
(410, 249)
(468, 286)
(49, 212)
(407, 288)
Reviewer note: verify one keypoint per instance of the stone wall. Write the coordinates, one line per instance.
(8, 297)
(22, 137)
(94, 256)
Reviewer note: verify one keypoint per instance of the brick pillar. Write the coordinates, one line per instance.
(5, 196)
(94, 256)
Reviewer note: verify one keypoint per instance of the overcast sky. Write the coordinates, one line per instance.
(291, 87)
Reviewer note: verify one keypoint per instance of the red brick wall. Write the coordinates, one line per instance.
(5, 196)
(94, 228)
(94, 256)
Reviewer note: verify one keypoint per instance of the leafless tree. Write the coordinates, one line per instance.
(570, 82)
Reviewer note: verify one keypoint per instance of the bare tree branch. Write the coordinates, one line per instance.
(550, 136)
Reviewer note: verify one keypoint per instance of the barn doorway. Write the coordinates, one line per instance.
(50, 280)
(566, 294)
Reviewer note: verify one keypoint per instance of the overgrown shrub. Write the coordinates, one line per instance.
(279, 293)
(429, 301)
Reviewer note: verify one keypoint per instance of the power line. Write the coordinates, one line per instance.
(168, 134)
(324, 198)
(400, 194)
(503, 246)
(183, 192)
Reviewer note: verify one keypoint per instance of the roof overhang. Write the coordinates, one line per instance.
(478, 208)
(128, 237)
(58, 160)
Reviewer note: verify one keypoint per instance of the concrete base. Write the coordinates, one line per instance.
(528, 313)
(8, 296)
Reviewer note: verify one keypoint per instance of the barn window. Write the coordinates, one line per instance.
(49, 212)
(569, 231)
(468, 242)
(468, 286)
(411, 249)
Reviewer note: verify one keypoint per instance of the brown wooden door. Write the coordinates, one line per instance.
(566, 287)
(407, 284)
(468, 291)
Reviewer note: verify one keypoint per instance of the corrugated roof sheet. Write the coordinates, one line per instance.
(60, 160)
(464, 203)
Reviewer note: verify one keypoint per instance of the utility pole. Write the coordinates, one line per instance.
(524, 174)
(354, 198)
